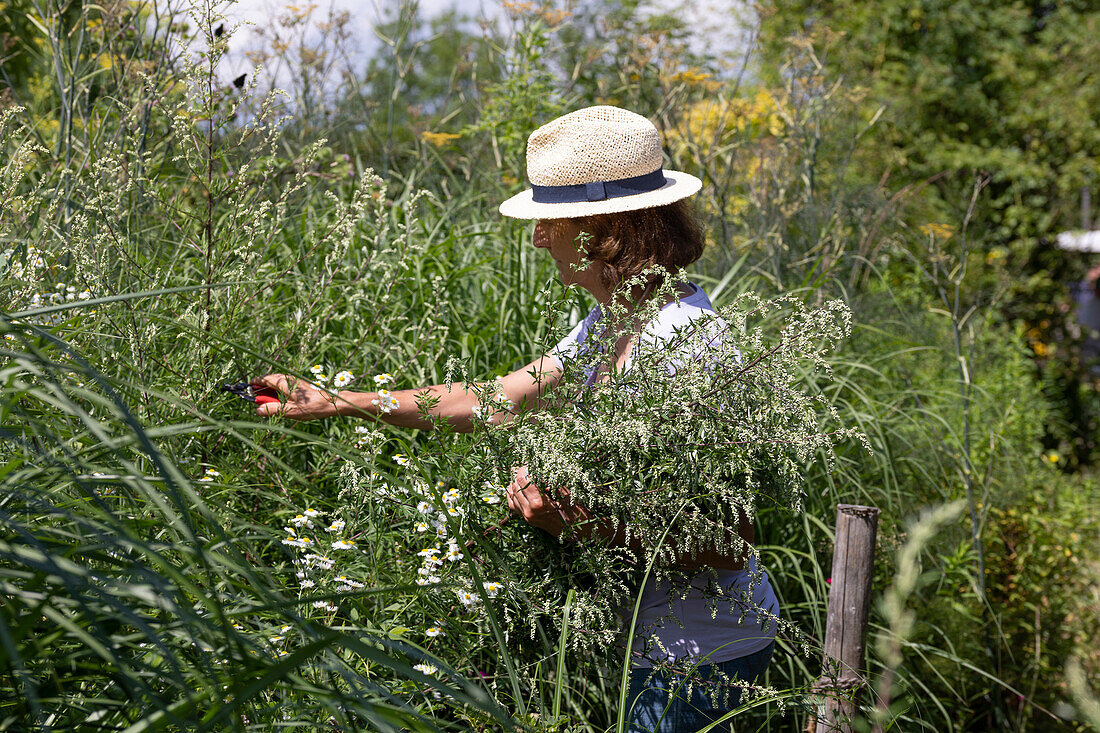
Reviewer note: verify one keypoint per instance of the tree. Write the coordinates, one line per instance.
(1004, 91)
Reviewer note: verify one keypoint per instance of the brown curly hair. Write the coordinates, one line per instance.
(629, 242)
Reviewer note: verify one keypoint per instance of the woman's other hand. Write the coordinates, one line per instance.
(301, 400)
(535, 506)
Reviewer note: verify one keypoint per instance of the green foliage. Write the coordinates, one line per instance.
(726, 398)
(162, 232)
(1006, 92)
(131, 599)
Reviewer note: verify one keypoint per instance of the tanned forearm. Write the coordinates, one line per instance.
(454, 403)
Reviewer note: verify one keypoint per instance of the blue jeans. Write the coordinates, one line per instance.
(652, 712)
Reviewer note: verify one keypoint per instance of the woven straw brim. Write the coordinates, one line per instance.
(678, 186)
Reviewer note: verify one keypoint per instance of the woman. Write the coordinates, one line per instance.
(606, 212)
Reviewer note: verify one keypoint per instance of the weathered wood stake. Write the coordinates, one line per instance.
(846, 623)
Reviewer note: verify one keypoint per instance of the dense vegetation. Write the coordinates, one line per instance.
(168, 225)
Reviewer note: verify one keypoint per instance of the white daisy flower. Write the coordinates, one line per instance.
(433, 631)
(348, 584)
(319, 561)
(386, 402)
(492, 589)
(467, 598)
(343, 545)
(382, 379)
(336, 526)
(422, 527)
(401, 459)
(343, 379)
(426, 668)
(317, 369)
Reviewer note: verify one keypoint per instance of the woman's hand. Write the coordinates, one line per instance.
(301, 399)
(536, 507)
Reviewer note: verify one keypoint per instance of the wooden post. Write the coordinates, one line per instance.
(846, 623)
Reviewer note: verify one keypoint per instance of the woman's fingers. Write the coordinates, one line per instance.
(299, 398)
(522, 495)
(517, 501)
(269, 409)
(528, 501)
(278, 382)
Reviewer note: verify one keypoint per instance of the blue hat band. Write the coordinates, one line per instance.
(598, 190)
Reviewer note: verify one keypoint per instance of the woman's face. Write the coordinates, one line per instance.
(560, 236)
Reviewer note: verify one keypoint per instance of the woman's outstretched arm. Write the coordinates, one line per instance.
(301, 400)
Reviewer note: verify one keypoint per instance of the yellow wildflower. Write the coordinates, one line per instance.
(937, 231)
(691, 76)
(439, 139)
(518, 8)
(555, 17)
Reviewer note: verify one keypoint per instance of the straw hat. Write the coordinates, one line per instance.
(597, 160)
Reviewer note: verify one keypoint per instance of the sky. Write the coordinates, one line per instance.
(711, 17)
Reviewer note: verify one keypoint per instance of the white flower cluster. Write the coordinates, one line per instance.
(321, 378)
(436, 509)
(305, 519)
(24, 268)
(491, 401)
(314, 569)
(209, 476)
(368, 438)
(63, 294)
(386, 402)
